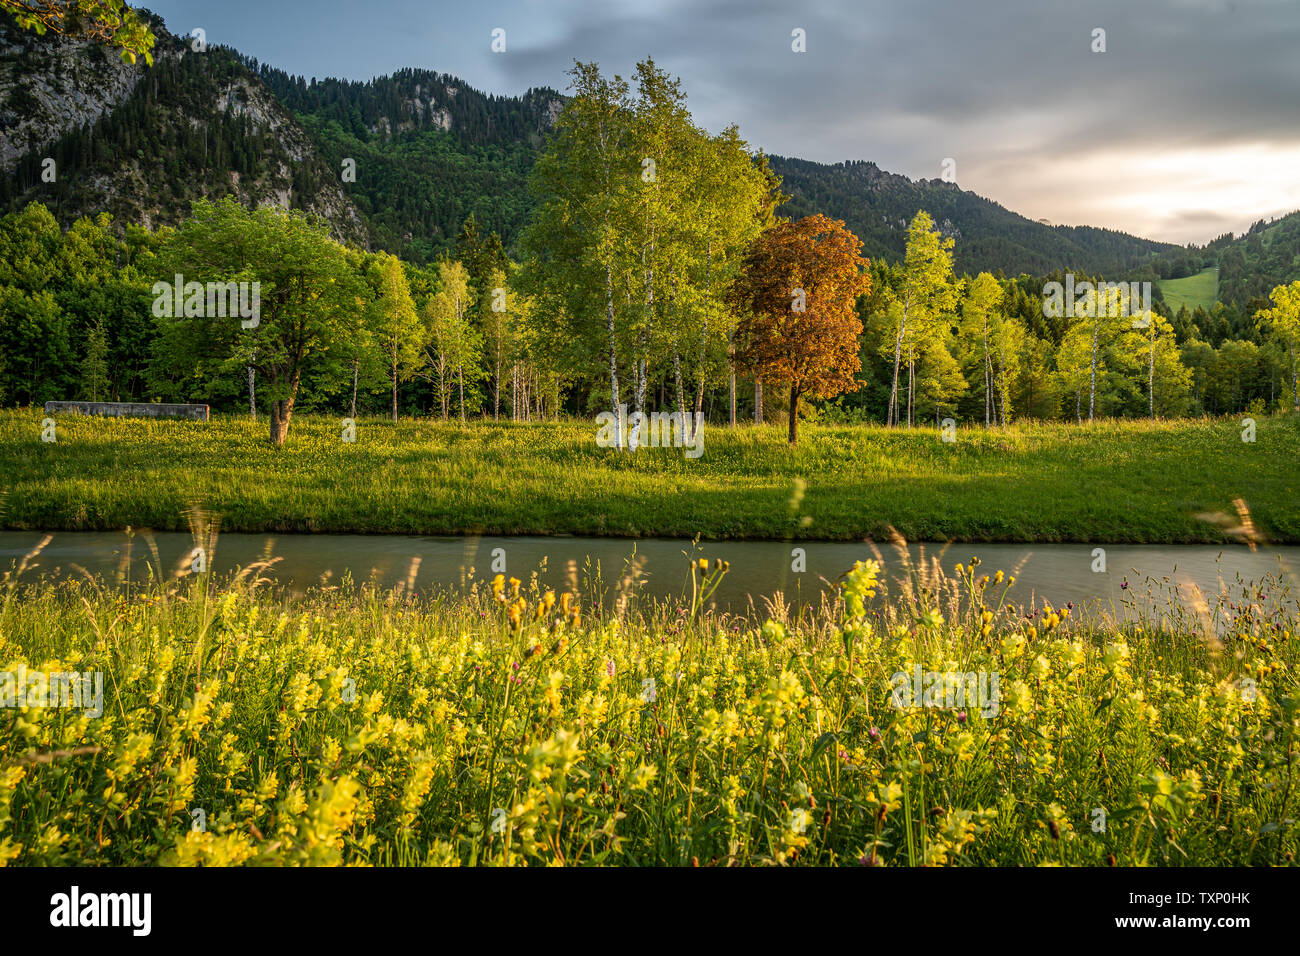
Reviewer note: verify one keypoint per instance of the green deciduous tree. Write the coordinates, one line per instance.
(454, 344)
(309, 294)
(642, 224)
(1167, 380)
(1101, 316)
(925, 290)
(106, 21)
(1283, 324)
(576, 253)
(394, 326)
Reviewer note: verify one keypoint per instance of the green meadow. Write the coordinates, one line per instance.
(1201, 289)
(1113, 481)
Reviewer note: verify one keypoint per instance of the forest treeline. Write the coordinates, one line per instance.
(654, 272)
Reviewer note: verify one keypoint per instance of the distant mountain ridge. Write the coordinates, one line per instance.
(427, 149)
(877, 205)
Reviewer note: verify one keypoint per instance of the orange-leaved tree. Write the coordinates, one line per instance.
(797, 294)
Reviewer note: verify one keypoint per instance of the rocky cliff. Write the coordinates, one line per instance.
(143, 142)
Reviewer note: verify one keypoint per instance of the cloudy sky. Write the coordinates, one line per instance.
(1187, 126)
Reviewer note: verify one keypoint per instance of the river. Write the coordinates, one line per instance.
(651, 567)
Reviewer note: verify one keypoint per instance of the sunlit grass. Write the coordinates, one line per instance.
(1110, 481)
(1201, 289)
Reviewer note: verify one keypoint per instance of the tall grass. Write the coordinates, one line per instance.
(509, 726)
(1113, 481)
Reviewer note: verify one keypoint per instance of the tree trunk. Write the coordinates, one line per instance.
(1295, 381)
(1092, 379)
(891, 419)
(613, 356)
(794, 415)
(681, 398)
(911, 377)
(394, 392)
(642, 363)
(732, 392)
(639, 392)
(731, 369)
(986, 393)
(356, 369)
(282, 412)
(758, 402)
(695, 412)
(1002, 376)
(1151, 370)
(252, 395)
(496, 390)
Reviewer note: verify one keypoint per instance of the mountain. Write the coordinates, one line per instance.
(878, 205)
(417, 128)
(400, 161)
(1252, 265)
(143, 142)
(1238, 271)
(429, 151)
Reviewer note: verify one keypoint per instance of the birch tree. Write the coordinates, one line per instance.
(454, 343)
(576, 255)
(1283, 322)
(925, 288)
(394, 325)
(1101, 316)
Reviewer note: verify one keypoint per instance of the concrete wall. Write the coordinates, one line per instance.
(122, 409)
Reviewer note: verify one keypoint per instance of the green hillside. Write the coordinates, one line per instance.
(1268, 255)
(1200, 290)
(878, 205)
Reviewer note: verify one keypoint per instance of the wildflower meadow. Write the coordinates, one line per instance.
(508, 725)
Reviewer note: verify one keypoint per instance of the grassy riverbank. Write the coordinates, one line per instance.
(240, 727)
(1134, 482)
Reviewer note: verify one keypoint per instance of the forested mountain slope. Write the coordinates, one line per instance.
(143, 142)
(878, 205)
(400, 162)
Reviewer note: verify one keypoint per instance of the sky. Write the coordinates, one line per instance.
(1186, 125)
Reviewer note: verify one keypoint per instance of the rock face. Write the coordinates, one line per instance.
(246, 98)
(144, 169)
(49, 87)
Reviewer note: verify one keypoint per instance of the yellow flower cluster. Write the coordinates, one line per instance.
(505, 727)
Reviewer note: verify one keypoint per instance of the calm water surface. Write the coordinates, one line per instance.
(599, 566)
